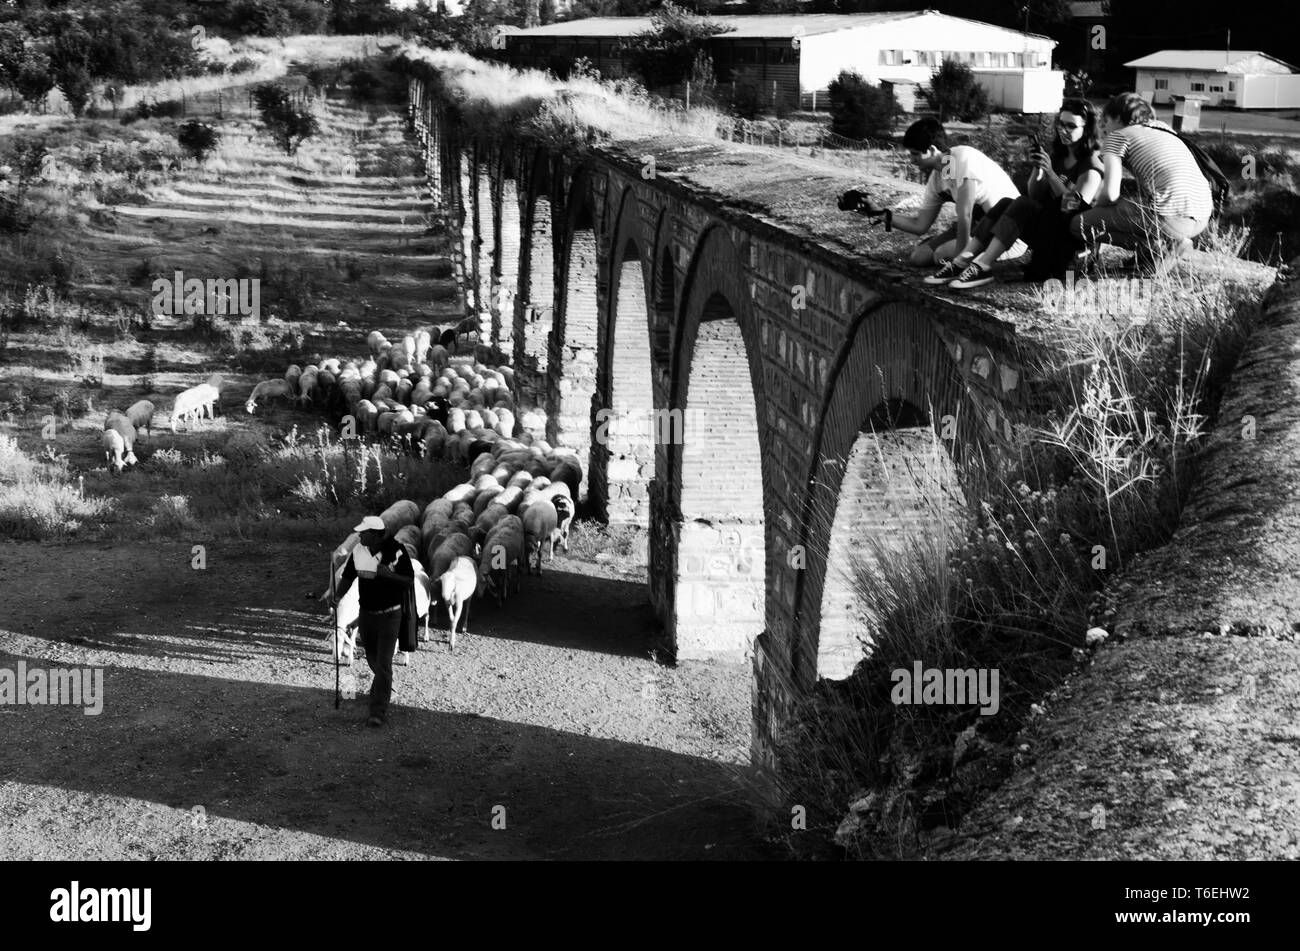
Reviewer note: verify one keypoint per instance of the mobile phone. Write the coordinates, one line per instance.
(1035, 145)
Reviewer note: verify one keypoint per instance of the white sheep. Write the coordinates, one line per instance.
(190, 403)
(269, 390)
(458, 585)
(114, 450)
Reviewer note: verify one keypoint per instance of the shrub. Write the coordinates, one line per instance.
(242, 65)
(860, 110)
(666, 53)
(954, 93)
(172, 513)
(198, 139)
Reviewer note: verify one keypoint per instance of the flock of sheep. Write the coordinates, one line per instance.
(122, 428)
(474, 540)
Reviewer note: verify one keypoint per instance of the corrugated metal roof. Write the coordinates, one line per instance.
(744, 27)
(1218, 61)
(1088, 8)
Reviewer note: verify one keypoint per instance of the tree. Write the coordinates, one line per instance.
(287, 125)
(666, 53)
(34, 80)
(954, 92)
(860, 110)
(546, 12)
(198, 139)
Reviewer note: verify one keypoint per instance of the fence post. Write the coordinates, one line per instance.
(814, 109)
(688, 94)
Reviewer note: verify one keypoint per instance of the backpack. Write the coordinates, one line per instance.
(1209, 168)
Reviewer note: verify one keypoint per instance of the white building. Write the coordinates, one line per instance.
(796, 55)
(1244, 79)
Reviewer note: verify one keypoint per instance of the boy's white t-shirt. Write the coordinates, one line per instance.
(962, 163)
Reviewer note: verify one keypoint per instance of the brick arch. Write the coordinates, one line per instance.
(572, 345)
(622, 455)
(714, 508)
(894, 373)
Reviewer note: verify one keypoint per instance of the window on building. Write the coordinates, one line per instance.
(908, 57)
(1162, 84)
(886, 57)
(1232, 86)
(1198, 87)
(1216, 88)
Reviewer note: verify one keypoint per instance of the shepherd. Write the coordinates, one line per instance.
(386, 580)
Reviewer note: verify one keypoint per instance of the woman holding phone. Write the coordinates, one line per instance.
(1064, 182)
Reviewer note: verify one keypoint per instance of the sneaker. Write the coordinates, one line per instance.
(945, 274)
(973, 276)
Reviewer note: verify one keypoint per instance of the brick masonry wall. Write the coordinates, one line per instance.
(538, 311)
(622, 459)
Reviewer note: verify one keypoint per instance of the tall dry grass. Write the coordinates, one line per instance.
(38, 500)
(498, 99)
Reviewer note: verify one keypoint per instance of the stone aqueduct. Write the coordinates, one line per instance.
(754, 439)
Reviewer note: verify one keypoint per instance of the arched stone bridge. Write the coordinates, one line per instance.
(759, 401)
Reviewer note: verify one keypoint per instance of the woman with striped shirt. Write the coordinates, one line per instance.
(1174, 203)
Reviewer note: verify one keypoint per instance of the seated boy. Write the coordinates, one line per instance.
(961, 174)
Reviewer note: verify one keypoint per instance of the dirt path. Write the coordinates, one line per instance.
(219, 694)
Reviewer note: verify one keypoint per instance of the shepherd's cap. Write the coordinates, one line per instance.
(371, 523)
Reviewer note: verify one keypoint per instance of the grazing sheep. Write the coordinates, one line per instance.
(141, 416)
(190, 402)
(459, 585)
(118, 423)
(307, 385)
(114, 448)
(502, 554)
(375, 341)
(292, 375)
(540, 521)
(269, 390)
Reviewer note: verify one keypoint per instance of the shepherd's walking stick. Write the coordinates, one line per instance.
(338, 647)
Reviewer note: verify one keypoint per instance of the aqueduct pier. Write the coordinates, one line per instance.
(806, 386)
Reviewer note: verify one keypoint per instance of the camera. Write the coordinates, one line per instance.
(859, 201)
